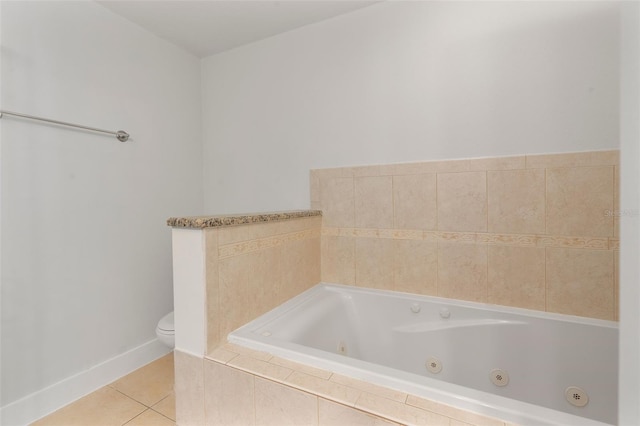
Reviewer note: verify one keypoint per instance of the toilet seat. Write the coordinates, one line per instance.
(165, 325)
(166, 330)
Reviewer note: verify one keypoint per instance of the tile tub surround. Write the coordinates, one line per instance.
(252, 263)
(530, 231)
(247, 387)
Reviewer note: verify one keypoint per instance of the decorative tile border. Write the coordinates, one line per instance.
(519, 240)
(236, 249)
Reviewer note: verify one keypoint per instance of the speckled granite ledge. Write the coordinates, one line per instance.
(199, 222)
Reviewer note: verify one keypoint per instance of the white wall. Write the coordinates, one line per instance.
(629, 385)
(86, 253)
(406, 81)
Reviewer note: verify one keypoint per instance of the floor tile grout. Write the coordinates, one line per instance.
(138, 386)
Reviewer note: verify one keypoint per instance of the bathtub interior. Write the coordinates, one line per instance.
(393, 338)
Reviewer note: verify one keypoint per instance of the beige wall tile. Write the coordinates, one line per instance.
(442, 166)
(374, 263)
(229, 395)
(577, 199)
(414, 202)
(516, 276)
(462, 271)
(265, 281)
(213, 292)
(580, 282)
(374, 202)
(104, 406)
(336, 172)
(300, 268)
(415, 266)
(516, 201)
(365, 171)
(234, 293)
(254, 231)
(338, 262)
(462, 201)
(496, 163)
(333, 414)
(574, 159)
(337, 201)
(189, 389)
(280, 405)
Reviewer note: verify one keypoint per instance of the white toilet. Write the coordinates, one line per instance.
(166, 331)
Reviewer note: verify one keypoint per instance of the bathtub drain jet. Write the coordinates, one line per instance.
(499, 377)
(576, 396)
(342, 348)
(434, 365)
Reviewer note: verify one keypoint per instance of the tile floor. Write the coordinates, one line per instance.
(142, 398)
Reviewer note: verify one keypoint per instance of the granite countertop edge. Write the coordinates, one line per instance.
(219, 221)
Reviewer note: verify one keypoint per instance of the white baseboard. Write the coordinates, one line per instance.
(46, 401)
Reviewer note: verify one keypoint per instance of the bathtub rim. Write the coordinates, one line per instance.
(457, 396)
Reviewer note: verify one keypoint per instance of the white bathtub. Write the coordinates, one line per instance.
(390, 339)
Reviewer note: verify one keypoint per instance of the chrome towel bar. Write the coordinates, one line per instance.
(120, 134)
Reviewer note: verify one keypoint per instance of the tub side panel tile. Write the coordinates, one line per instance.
(324, 388)
(398, 411)
(333, 414)
(259, 367)
(301, 368)
(189, 389)
(464, 417)
(369, 388)
(229, 395)
(280, 405)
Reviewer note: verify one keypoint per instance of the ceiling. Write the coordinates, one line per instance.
(205, 28)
